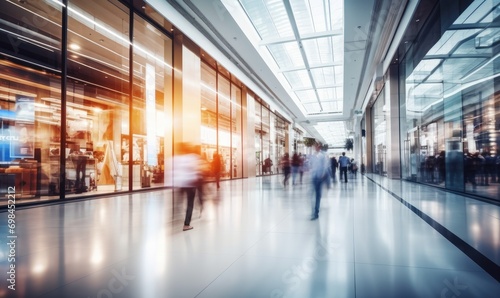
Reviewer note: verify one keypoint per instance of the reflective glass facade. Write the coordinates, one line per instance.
(92, 106)
(450, 102)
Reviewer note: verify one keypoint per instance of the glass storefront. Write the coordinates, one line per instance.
(143, 144)
(451, 103)
(271, 133)
(221, 119)
(90, 111)
(379, 132)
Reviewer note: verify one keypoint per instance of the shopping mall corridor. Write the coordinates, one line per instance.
(255, 238)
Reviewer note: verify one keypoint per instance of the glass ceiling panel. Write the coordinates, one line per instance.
(268, 17)
(326, 94)
(333, 132)
(319, 50)
(312, 107)
(331, 106)
(314, 15)
(338, 48)
(323, 76)
(308, 18)
(339, 75)
(321, 15)
(307, 96)
(303, 17)
(287, 55)
(298, 79)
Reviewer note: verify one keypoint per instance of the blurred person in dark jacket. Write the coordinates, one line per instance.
(285, 164)
(216, 167)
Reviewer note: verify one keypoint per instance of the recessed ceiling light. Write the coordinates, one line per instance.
(74, 46)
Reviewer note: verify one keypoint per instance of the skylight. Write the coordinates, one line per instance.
(302, 42)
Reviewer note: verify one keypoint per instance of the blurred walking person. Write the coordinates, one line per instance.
(343, 165)
(302, 166)
(319, 171)
(295, 167)
(186, 164)
(216, 167)
(285, 164)
(334, 165)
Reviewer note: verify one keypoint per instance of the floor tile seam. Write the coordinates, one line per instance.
(241, 255)
(484, 262)
(422, 267)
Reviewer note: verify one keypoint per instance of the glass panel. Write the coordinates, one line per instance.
(319, 51)
(287, 55)
(450, 107)
(258, 138)
(307, 96)
(31, 31)
(269, 18)
(208, 115)
(379, 135)
(97, 95)
(236, 140)
(324, 76)
(280, 126)
(266, 134)
(312, 107)
(224, 125)
(152, 98)
(98, 45)
(298, 79)
(30, 133)
(333, 133)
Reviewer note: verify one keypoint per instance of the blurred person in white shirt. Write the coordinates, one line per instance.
(186, 166)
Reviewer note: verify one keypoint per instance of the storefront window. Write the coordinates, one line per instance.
(281, 128)
(379, 135)
(143, 148)
(259, 156)
(29, 126)
(208, 113)
(266, 135)
(31, 32)
(236, 140)
(451, 103)
(224, 125)
(97, 95)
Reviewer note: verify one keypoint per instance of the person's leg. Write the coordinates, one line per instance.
(191, 192)
(317, 191)
(295, 171)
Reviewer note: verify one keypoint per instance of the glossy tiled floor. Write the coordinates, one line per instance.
(254, 239)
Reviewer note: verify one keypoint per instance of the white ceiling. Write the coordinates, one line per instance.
(369, 29)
